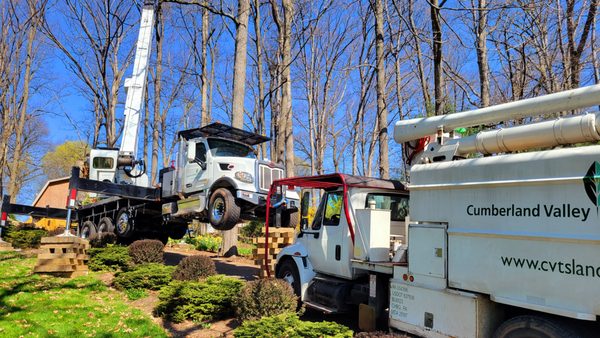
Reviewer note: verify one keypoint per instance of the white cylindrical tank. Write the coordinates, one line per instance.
(408, 130)
(569, 130)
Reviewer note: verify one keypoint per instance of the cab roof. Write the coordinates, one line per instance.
(224, 131)
(340, 180)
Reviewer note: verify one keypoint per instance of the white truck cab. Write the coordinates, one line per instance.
(219, 178)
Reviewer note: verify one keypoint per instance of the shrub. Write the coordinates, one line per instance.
(194, 268)
(289, 325)
(101, 240)
(252, 229)
(203, 301)
(24, 238)
(265, 297)
(135, 294)
(379, 334)
(208, 243)
(146, 251)
(110, 258)
(151, 276)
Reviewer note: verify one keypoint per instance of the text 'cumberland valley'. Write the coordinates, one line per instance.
(540, 210)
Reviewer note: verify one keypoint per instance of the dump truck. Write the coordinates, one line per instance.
(217, 177)
(502, 228)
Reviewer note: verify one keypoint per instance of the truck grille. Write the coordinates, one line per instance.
(268, 175)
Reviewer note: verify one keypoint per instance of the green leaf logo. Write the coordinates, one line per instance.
(591, 182)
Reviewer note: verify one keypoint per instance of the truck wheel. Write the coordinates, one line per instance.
(124, 224)
(532, 326)
(88, 229)
(223, 212)
(105, 225)
(289, 273)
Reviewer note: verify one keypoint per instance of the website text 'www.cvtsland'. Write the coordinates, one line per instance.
(564, 267)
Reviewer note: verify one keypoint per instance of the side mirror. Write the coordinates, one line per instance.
(191, 151)
(304, 207)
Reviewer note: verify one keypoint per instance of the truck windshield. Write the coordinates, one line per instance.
(220, 147)
(397, 204)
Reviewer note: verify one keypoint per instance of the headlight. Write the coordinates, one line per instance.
(244, 177)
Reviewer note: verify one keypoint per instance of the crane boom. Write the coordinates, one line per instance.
(134, 86)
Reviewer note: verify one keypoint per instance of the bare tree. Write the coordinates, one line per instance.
(19, 47)
(93, 47)
(382, 114)
(576, 48)
(435, 7)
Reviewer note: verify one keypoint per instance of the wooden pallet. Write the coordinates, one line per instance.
(279, 238)
(5, 246)
(63, 256)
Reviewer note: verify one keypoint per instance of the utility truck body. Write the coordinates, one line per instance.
(503, 245)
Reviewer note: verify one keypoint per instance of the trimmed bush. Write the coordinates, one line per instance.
(208, 243)
(110, 258)
(151, 276)
(135, 294)
(194, 268)
(265, 297)
(290, 326)
(146, 251)
(25, 237)
(103, 239)
(204, 301)
(379, 334)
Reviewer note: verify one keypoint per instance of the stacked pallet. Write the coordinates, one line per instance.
(5, 246)
(63, 256)
(279, 238)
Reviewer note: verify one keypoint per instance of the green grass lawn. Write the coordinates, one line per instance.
(34, 305)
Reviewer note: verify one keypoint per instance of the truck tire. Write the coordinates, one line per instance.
(88, 229)
(290, 218)
(533, 326)
(289, 273)
(105, 225)
(223, 212)
(124, 226)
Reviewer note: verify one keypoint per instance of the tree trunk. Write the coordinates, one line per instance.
(482, 55)
(239, 67)
(286, 92)
(260, 125)
(576, 48)
(14, 184)
(438, 76)
(384, 164)
(204, 115)
(230, 238)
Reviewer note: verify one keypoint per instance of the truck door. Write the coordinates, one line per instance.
(196, 178)
(326, 237)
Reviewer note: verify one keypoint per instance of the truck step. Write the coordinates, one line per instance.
(319, 307)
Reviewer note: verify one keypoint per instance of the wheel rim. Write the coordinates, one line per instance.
(288, 276)
(218, 210)
(123, 223)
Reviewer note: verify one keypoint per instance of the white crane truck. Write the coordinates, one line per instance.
(217, 176)
(502, 240)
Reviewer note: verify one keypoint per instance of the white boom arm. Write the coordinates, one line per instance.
(413, 129)
(134, 86)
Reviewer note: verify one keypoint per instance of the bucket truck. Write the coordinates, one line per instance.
(502, 239)
(216, 178)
